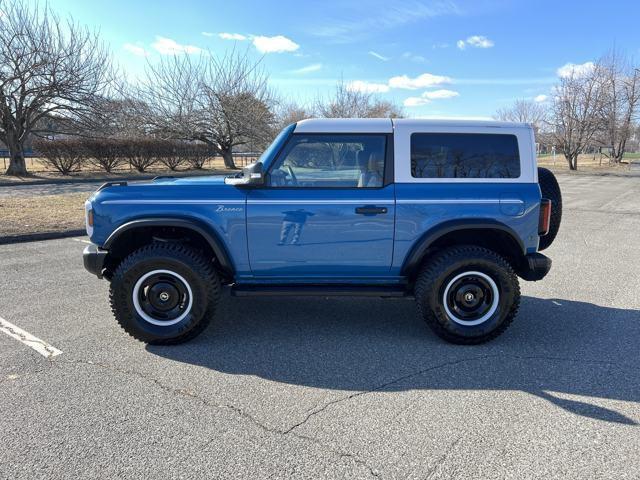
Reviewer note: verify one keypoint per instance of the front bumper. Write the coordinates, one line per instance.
(534, 267)
(94, 258)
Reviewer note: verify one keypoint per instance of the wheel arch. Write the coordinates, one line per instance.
(489, 233)
(196, 227)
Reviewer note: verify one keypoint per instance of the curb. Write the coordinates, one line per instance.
(36, 237)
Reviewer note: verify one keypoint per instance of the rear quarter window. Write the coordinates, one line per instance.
(464, 155)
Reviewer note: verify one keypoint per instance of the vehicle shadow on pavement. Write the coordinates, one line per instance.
(555, 349)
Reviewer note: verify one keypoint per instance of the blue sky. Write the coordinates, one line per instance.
(437, 58)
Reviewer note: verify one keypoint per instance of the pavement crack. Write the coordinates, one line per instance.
(341, 454)
(184, 392)
(383, 386)
(436, 367)
(440, 461)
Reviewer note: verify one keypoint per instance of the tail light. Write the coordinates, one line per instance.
(545, 217)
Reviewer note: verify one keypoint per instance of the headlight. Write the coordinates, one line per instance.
(88, 217)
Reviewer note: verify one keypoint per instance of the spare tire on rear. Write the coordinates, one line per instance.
(551, 190)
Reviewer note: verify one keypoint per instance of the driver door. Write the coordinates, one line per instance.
(325, 210)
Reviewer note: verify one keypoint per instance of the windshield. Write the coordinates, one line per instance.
(275, 145)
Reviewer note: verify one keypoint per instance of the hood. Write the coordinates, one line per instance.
(209, 187)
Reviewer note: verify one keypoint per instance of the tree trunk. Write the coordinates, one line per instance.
(17, 165)
(228, 158)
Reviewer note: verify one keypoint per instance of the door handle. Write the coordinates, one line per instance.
(370, 210)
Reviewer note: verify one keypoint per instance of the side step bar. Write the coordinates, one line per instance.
(319, 291)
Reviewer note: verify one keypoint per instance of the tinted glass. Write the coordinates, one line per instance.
(462, 155)
(331, 160)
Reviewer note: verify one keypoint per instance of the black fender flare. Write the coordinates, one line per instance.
(197, 226)
(413, 259)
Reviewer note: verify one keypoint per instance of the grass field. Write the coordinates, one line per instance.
(588, 162)
(41, 213)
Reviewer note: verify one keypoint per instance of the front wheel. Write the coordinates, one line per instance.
(164, 293)
(467, 294)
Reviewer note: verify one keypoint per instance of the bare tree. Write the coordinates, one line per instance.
(348, 103)
(620, 106)
(123, 116)
(576, 114)
(224, 102)
(48, 68)
(525, 111)
(288, 113)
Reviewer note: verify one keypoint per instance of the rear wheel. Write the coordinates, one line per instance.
(164, 293)
(550, 189)
(467, 294)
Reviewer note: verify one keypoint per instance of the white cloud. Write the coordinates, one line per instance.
(277, 44)
(573, 69)
(439, 94)
(476, 41)
(208, 34)
(167, 46)
(479, 41)
(378, 56)
(415, 101)
(540, 98)
(314, 67)
(367, 87)
(230, 36)
(421, 81)
(135, 49)
(428, 96)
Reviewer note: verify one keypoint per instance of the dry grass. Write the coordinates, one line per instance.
(588, 163)
(45, 213)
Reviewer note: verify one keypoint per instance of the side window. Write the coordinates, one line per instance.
(331, 161)
(464, 155)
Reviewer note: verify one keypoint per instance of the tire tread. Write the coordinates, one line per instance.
(196, 261)
(434, 268)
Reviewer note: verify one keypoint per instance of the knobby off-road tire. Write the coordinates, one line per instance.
(551, 190)
(450, 278)
(164, 293)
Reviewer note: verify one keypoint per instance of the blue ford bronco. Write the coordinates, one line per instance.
(448, 212)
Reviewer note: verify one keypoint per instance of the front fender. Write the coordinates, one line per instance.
(197, 226)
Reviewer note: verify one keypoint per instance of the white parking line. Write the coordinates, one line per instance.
(81, 240)
(40, 346)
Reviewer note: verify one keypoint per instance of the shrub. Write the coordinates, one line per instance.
(140, 152)
(103, 153)
(197, 154)
(66, 155)
(171, 153)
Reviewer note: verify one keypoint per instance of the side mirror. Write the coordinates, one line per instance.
(251, 176)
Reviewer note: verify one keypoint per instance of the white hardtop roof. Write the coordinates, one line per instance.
(385, 125)
(345, 125)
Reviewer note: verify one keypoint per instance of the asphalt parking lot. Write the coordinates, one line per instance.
(334, 388)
